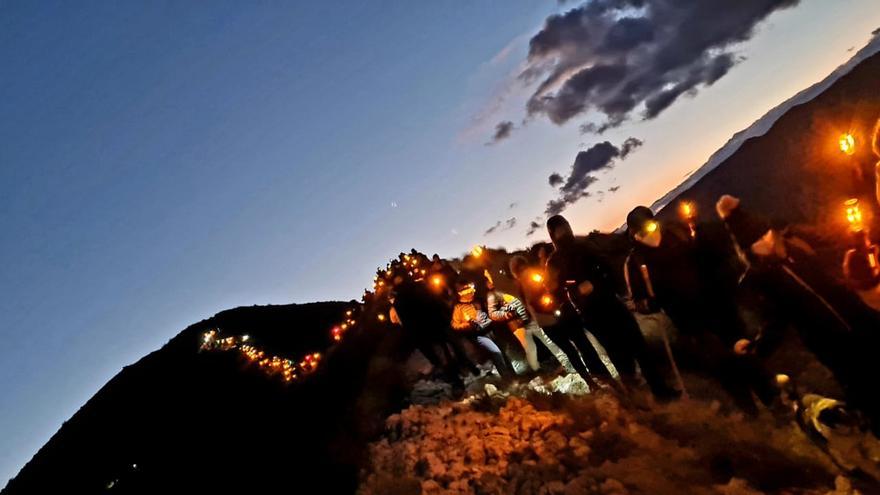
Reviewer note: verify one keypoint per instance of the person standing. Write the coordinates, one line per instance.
(575, 271)
(667, 270)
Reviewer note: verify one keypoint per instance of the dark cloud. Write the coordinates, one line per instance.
(629, 146)
(581, 176)
(502, 131)
(492, 229)
(534, 226)
(613, 189)
(622, 58)
(501, 226)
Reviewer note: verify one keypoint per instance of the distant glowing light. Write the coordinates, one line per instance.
(546, 300)
(651, 227)
(477, 251)
(537, 278)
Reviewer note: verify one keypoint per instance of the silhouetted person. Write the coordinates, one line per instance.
(667, 270)
(425, 319)
(560, 323)
(575, 271)
(831, 320)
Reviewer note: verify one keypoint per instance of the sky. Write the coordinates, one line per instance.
(163, 161)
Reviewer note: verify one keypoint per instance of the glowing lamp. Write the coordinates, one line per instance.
(537, 278)
(546, 300)
(651, 227)
(436, 280)
(847, 144)
(381, 317)
(853, 214)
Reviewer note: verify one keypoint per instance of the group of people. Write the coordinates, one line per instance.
(703, 277)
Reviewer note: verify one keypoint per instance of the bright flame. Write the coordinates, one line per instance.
(537, 278)
(546, 300)
(381, 317)
(847, 144)
(688, 210)
(651, 227)
(853, 214)
(477, 251)
(436, 280)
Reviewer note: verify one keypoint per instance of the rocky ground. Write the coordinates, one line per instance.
(549, 436)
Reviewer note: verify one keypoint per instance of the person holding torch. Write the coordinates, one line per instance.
(666, 272)
(575, 271)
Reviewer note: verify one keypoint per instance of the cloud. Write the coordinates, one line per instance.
(513, 205)
(534, 226)
(613, 189)
(581, 176)
(627, 58)
(502, 131)
(629, 146)
(492, 229)
(501, 226)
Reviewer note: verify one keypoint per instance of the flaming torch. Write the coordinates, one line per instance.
(854, 215)
(847, 144)
(688, 212)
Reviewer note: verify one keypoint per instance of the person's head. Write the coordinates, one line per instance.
(518, 264)
(559, 230)
(465, 291)
(435, 258)
(642, 226)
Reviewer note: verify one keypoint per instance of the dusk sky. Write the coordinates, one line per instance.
(163, 161)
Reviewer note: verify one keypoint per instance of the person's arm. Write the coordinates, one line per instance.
(635, 284)
(497, 310)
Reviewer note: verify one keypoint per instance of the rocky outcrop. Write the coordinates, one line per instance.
(553, 444)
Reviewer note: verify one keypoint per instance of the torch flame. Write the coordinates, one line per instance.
(847, 144)
(853, 214)
(688, 210)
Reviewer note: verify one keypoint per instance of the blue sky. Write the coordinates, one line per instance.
(162, 161)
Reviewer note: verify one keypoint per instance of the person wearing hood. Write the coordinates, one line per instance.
(471, 321)
(832, 321)
(576, 272)
(667, 270)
